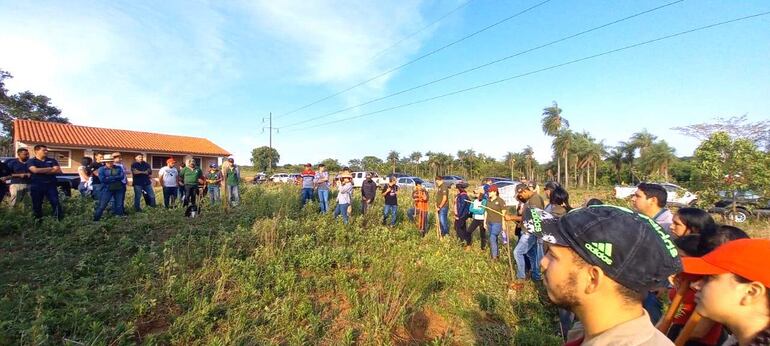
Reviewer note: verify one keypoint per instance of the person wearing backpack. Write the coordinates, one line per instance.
(462, 212)
(113, 188)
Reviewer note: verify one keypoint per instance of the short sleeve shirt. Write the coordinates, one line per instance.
(443, 191)
(42, 179)
(391, 198)
(141, 179)
(190, 176)
(536, 201)
(18, 167)
(169, 175)
(497, 205)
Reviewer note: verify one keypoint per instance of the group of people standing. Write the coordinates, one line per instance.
(105, 179)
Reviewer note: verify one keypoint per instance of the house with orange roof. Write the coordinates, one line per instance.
(69, 143)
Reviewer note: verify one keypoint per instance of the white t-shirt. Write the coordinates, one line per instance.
(170, 175)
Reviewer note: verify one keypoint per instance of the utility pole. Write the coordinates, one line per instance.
(270, 129)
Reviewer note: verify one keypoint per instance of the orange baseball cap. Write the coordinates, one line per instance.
(743, 257)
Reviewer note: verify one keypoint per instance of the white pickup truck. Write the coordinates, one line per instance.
(359, 177)
(677, 195)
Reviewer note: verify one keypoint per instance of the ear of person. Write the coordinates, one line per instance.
(755, 292)
(596, 278)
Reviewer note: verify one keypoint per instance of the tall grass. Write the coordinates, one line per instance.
(266, 272)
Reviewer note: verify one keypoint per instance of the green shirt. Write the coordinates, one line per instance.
(190, 176)
(536, 201)
(232, 178)
(443, 191)
(497, 205)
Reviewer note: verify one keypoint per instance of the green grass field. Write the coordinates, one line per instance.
(266, 272)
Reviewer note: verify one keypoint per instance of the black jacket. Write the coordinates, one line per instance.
(369, 189)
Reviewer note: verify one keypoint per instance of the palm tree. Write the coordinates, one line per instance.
(393, 158)
(553, 123)
(658, 158)
(616, 158)
(528, 157)
(510, 160)
(629, 155)
(642, 140)
(561, 144)
(415, 158)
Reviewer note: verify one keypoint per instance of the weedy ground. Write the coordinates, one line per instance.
(265, 272)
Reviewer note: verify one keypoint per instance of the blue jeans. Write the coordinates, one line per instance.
(169, 195)
(323, 200)
(307, 194)
(341, 209)
(214, 194)
(96, 190)
(149, 196)
(494, 231)
(443, 221)
(104, 199)
(390, 209)
(37, 193)
(527, 245)
(233, 194)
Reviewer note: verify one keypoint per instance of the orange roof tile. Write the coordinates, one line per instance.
(51, 133)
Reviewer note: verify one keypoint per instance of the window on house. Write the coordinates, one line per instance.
(158, 161)
(61, 155)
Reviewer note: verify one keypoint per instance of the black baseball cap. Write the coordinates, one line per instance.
(631, 248)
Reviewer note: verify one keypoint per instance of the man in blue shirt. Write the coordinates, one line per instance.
(142, 182)
(20, 175)
(43, 182)
(113, 188)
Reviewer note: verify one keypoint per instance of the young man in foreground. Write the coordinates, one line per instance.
(594, 269)
(734, 288)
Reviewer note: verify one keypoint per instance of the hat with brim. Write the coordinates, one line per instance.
(107, 158)
(461, 185)
(743, 257)
(345, 175)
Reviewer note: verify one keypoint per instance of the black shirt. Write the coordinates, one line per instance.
(18, 167)
(390, 198)
(94, 169)
(141, 179)
(42, 180)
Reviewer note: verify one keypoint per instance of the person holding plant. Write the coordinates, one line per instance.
(494, 219)
(390, 192)
(344, 197)
(420, 210)
(213, 180)
(477, 213)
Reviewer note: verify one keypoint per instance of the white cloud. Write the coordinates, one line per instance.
(336, 40)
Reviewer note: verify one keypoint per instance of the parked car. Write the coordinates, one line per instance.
(359, 177)
(409, 182)
(453, 179)
(747, 204)
(507, 190)
(677, 195)
(495, 179)
(280, 178)
(260, 178)
(295, 178)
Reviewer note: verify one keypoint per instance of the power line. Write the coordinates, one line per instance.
(374, 57)
(417, 59)
(681, 33)
(485, 65)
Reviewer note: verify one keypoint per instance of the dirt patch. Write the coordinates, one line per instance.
(423, 326)
(155, 323)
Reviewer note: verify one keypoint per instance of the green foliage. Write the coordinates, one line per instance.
(725, 164)
(263, 156)
(267, 272)
(332, 165)
(23, 105)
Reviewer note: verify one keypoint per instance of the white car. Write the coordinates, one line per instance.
(409, 182)
(677, 195)
(279, 177)
(359, 177)
(507, 190)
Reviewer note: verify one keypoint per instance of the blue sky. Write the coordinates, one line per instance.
(215, 69)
